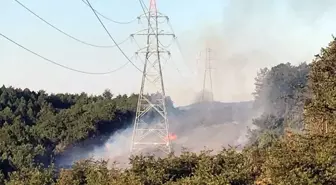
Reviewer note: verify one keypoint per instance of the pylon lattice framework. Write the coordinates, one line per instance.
(207, 93)
(207, 73)
(151, 128)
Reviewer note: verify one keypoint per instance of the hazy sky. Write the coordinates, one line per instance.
(247, 35)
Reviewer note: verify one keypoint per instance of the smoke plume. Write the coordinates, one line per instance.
(254, 34)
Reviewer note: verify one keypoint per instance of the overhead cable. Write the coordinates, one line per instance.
(61, 65)
(66, 34)
(180, 48)
(107, 18)
(102, 24)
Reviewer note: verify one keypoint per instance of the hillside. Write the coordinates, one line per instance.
(292, 98)
(185, 122)
(221, 112)
(294, 142)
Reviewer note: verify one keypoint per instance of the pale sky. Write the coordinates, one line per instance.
(247, 35)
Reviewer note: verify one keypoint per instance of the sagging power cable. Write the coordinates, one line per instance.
(66, 34)
(61, 65)
(102, 24)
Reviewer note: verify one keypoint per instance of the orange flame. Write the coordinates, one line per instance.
(171, 136)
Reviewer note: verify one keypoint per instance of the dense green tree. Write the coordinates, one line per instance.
(301, 159)
(36, 126)
(279, 94)
(320, 114)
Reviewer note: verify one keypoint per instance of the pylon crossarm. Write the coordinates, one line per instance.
(154, 34)
(160, 15)
(132, 35)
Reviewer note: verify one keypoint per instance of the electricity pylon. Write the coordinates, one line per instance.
(151, 128)
(207, 94)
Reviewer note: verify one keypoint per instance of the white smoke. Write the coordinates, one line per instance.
(256, 34)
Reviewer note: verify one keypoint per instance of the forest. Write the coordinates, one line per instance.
(294, 143)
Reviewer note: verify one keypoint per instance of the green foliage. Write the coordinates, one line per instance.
(31, 176)
(35, 127)
(302, 159)
(280, 93)
(320, 114)
(299, 159)
(228, 167)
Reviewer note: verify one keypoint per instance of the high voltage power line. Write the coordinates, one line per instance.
(143, 6)
(61, 65)
(102, 24)
(64, 66)
(107, 18)
(66, 34)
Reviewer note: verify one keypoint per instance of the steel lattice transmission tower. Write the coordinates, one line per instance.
(207, 92)
(207, 88)
(151, 128)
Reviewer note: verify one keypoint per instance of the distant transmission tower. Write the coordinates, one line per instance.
(151, 128)
(207, 94)
(207, 89)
